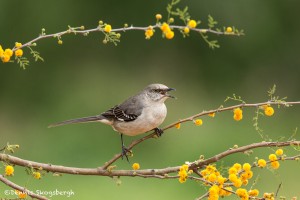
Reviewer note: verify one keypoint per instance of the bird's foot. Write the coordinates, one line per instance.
(158, 132)
(126, 152)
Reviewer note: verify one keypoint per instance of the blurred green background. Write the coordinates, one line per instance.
(84, 77)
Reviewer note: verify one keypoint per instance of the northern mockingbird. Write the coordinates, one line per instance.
(138, 114)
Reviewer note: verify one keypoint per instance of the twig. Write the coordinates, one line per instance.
(21, 189)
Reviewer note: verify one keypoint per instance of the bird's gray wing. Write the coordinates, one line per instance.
(129, 110)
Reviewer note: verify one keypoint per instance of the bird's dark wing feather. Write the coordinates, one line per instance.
(118, 114)
(127, 111)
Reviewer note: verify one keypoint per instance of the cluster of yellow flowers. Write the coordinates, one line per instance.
(211, 174)
(239, 174)
(273, 160)
(183, 173)
(9, 171)
(165, 28)
(6, 54)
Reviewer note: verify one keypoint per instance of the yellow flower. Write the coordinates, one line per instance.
(253, 193)
(225, 192)
(212, 177)
(1, 50)
(158, 16)
(246, 167)
(212, 114)
(18, 44)
(186, 30)
(135, 166)
(198, 122)
(9, 170)
(107, 28)
(261, 163)
(21, 195)
(177, 126)
(238, 183)
(192, 23)
(8, 52)
(149, 33)
(229, 29)
(60, 42)
(238, 166)
(165, 27)
(233, 177)
(184, 167)
(183, 173)
(275, 164)
(213, 192)
(272, 157)
(19, 53)
(269, 111)
(242, 193)
(238, 114)
(36, 175)
(5, 58)
(221, 180)
(169, 34)
(279, 152)
(232, 170)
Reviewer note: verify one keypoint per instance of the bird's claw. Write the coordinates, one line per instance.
(125, 152)
(158, 132)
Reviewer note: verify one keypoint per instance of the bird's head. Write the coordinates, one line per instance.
(158, 92)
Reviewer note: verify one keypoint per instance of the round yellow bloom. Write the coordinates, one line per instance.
(221, 180)
(232, 170)
(269, 111)
(192, 23)
(242, 193)
(272, 157)
(60, 42)
(169, 35)
(211, 114)
(253, 193)
(135, 166)
(107, 28)
(238, 114)
(5, 58)
(238, 166)
(8, 52)
(178, 125)
(18, 44)
(36, 175)
(229, 29)
(261, 163)
(9, 170)
(149, 33)
(233, 177)
(165, 27)
(21, 195)
(275, 164)
(198, 122)
(186, 30)
(279, 152)
(158, 16)
(19, 53)
(212, 177)
(246, 167)
(223, 193)
(238, 183)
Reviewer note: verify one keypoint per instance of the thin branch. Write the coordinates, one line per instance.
(21, 189)
(78, 30)
(156, 173)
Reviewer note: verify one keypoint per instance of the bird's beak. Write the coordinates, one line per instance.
(168, 95)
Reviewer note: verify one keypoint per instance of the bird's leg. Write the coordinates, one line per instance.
(158, 131)
(124, 149)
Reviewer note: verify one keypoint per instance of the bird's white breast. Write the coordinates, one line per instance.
(151, 117)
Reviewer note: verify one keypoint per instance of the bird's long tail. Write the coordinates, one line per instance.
(78, 120)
